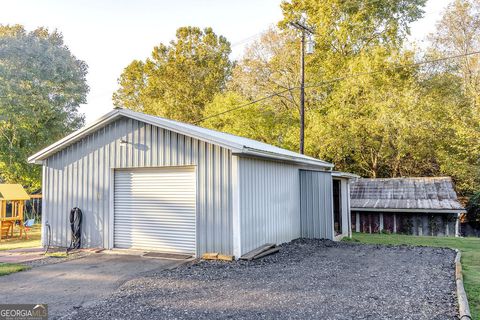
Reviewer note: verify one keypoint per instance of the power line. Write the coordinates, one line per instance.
(247, 39)
(354, 75)
(245, 104)
(400, 66)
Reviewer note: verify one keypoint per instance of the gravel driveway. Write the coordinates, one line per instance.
(308, 279)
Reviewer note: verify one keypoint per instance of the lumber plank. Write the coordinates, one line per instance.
(225, 257)
(210, 256)
(250, 255)
(266, 253)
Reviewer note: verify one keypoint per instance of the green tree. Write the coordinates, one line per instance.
(473, 210)
(458, 33)
(377, 124)
(178, 79)
(268, 65)
(377, 120)
(348, 122)
(41, 87)
(260, 121)
(345, 29)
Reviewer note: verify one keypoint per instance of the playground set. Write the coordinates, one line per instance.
(12, 207)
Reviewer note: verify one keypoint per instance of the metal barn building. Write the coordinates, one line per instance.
(156, 184)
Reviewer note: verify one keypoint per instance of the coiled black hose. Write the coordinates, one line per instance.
(76, 226)
(48, 237)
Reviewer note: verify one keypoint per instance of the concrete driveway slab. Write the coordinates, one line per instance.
(77, 283)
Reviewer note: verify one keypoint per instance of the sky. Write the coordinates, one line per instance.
(109, 34)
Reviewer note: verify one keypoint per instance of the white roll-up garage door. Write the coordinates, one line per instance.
(155, 209)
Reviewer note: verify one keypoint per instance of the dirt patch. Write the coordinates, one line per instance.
(46, 260)
(307, 279)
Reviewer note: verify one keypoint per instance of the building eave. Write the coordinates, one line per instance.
(346, 175)
(400, 210)
(274, 156)
(41, 155)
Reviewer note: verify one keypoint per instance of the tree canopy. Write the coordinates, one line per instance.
(473, 210)
(371, 108)
(178, 79)
(41, 87)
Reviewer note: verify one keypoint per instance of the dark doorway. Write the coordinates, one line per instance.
(337, 207)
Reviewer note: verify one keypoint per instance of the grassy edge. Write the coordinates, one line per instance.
(17, 243)
(9, 268)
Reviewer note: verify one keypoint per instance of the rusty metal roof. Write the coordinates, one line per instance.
(432, 193)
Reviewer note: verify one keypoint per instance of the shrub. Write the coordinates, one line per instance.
(473, 210)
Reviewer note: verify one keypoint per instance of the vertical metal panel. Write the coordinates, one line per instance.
(269, 202)
(349, 211)
(316, 204)
(346, 225)
(79, 176)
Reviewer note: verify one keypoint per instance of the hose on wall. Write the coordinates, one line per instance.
(76, 226)
(48, 237)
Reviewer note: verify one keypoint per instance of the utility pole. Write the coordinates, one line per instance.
(302, 94)
(305, 31)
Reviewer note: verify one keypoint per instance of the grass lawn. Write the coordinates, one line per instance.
(61, 254)
(7, 268)
(15, 243)
(470, 248)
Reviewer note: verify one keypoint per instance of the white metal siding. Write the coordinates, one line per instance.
(155, 209)
(346, 225)
(269, 202)
(80, 176)
(316, 191)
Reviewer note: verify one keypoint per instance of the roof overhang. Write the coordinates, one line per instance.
(395, 210)
(41, 155)
(346, 175)
(113, 115)
(273, 156)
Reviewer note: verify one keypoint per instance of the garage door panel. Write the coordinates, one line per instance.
(186, 203)
(179, 238)
(167, 229)
(146, 207)
(155, 209)
(148, 220)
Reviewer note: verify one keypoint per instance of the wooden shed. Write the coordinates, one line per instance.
(12, 201)
(417, 206)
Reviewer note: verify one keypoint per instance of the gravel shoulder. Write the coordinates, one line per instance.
(307, 279)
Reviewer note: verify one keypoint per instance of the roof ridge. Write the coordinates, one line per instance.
(409, 178)
(237, 144)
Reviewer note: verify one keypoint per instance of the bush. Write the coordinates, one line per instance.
(473, 210)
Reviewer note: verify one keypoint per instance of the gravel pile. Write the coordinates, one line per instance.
(308, 279)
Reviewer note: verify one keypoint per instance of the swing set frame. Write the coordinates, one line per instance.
(12, 197)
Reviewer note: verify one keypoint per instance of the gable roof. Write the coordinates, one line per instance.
(13, 192)
(237, 144)
(404, 195)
